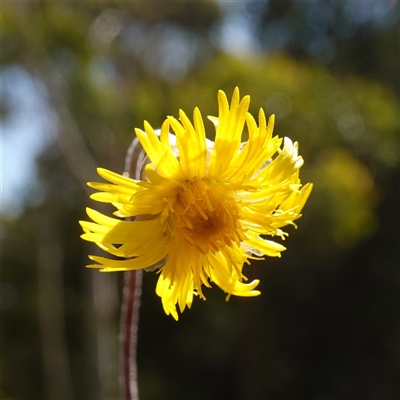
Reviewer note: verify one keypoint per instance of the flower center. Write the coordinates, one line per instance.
(206, 216)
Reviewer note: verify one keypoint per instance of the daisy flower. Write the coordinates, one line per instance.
(201, 209)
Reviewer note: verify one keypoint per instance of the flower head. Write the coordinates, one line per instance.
(201, 208)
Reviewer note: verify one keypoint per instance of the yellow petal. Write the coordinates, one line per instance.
(161, 156)
(227, 281)
(268, 247)
(228, 132)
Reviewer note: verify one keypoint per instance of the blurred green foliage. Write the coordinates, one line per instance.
(326, 325)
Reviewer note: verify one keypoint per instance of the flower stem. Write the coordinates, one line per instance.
(129, 326)
(131, 297)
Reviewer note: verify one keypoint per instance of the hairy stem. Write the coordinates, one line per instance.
(131, 297)
(129, 325)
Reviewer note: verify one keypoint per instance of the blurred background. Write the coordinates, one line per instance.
(77, 77)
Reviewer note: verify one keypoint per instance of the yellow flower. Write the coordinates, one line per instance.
(202, 206)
